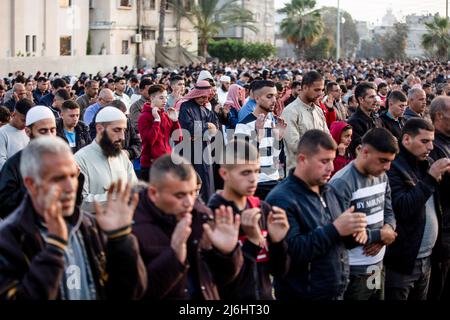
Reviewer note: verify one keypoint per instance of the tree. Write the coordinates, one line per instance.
(349, 34)
(230, 49)
(209, 17)
(437, 38)
(394, 42)
(303, 24)
(162, 20)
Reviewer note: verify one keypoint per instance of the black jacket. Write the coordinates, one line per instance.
(441, 149)
(411, 187)
(319, 260)
(12, 189)
(394, 127)
(205, 270)
(253, 282)
(361, 123)
(30, 269)
(408, 114)
(82, 136)
(132, 144)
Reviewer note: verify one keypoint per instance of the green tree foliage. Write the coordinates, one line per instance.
(437, 39)
(230, 49)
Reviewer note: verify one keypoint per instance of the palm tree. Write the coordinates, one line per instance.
(209, 17)
(303, 25)
(437, 36)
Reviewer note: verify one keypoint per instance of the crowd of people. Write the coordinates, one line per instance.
(279, 179)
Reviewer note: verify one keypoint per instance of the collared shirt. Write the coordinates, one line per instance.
(12, 141)
(100, 172)
(90, 112)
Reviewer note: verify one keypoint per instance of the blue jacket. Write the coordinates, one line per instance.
(319, 260)
(47, 100)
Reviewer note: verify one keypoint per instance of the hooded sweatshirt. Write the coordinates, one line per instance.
(336, 130)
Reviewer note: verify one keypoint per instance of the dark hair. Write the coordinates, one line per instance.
(296, 84)
(89, 83)
(134, 80)
(414, 125)
(5, 115)
(361, 90)
(313, 139)
(381, 85)
(28, 81)
(42, 79)
(330, 85)
(259, 84)
(381, 140)
(165, 165)
(155, 89)
(23, 106)
(70, 105)
(426, 86)
(58, 83)
(118, 79)
(175, 78)
(145, 82)
(395, 96)
(119, 105)
(62, 94)
(239, 151)
(310, 77)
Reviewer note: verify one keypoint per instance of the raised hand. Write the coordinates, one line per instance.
(156, 115)
(260, 121)
(212, 128)
(361, 237)
(439, 167)
(280, 127)
(250, 225)
(350, 222)
(172, 114)
(180, 236)
(341, 149)
(119, 211)
(278, 225)
(53, 214)
(224, 235)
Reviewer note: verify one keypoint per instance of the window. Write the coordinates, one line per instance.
(149, 4)
(65, 46)
(125, 47)
(34, 43)
(149, 34)
(125, 4)
(65, 3)
(27, 43)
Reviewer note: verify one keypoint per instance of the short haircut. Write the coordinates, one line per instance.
(42, 79)
(381, 85)
(330, 85)
(145, 82)
(90, 83)
(118, 79)
(35, 151)
(313, 139)
(58, 83)
(134, 80)
(171, 164)
(414, 125)
(239, 151)
(5, 114)
(395, 96)
(381, 140)
(175, 79)
(70, 105)
(361, 90)
(119, 105)
(154, 89)
(310, 77)
(413, 91)
(296, 84)
(439, 104)
(62, 94)
(259, 84)
(23, 106)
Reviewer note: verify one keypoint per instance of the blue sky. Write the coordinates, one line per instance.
(374, 10)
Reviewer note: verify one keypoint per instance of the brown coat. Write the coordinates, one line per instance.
(168, 277)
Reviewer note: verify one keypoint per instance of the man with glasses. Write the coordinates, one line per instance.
(105, 98)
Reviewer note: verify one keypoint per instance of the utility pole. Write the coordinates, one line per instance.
(338, 32)
(446, 9)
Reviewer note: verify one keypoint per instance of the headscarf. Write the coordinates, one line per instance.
(235, 94)
(202, 89)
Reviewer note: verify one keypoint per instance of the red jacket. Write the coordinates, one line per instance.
(330, 114)
(336, 132)
(155, 135)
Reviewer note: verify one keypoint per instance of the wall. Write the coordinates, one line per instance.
(65, 65)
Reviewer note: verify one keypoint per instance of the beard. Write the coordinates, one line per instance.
(110, 148)
(225, 89)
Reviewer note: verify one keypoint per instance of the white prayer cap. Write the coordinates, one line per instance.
(38, 113)
(205, 74)
(109, 114)
(225, 79)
